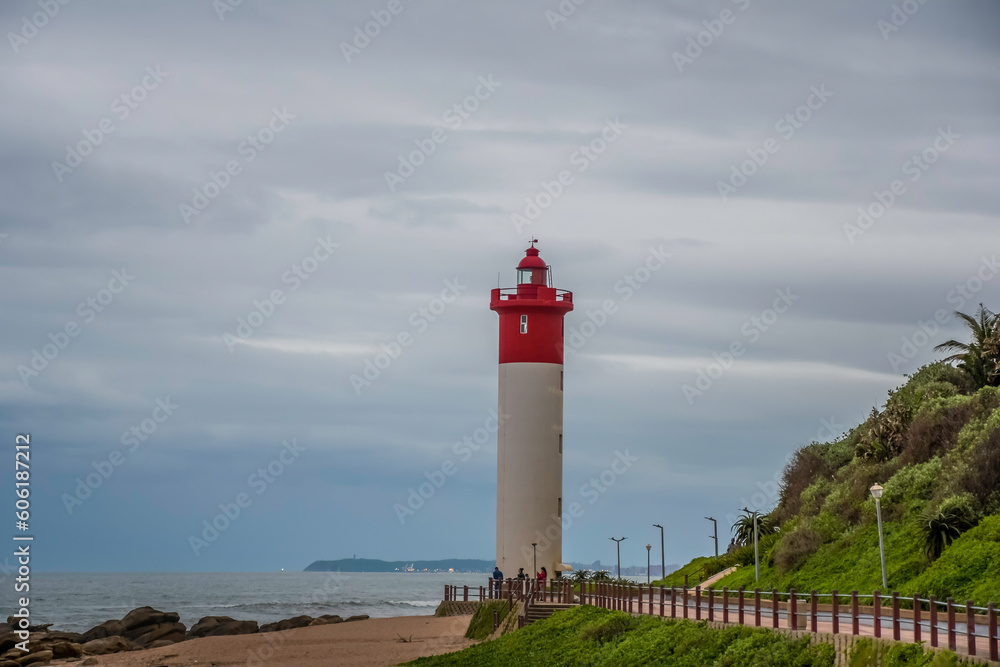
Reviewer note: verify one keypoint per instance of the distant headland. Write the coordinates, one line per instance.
(376, 565)
(448, 565)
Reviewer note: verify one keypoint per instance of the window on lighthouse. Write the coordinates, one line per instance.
(531, 276)
(524, 324)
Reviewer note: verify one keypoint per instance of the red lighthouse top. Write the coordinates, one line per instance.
(531, 314)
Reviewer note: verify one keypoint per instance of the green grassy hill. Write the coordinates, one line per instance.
(935, 447)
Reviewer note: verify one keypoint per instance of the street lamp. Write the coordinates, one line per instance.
(648, 547)
(756, 553)
(663, 564)
(619, 542)
(534, 557)
(715, 535)
(877, 495)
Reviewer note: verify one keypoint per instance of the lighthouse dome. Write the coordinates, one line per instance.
(531, 260)
(532, 270)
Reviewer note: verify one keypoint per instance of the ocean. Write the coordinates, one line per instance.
(79, 601)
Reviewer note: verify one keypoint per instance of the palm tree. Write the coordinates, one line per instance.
(600, 575)
(743, 528)
(979, 359)
(580, 576)
(941, 529)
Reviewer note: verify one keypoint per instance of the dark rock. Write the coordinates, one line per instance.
(287, 624)
(106, 645)
(38, 656)
(332, 618)
(151, 633)
(144, 616)
(66, 650)
(7, 643)
(74, 637)
(161, 642)
(318, 621)
(87, 663)
(218, 626)
(359, 617)
(112, 628)
(8, 663)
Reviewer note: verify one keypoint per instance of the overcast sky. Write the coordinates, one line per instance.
(174, 163)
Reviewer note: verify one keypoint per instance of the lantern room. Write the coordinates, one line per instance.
(532, 270)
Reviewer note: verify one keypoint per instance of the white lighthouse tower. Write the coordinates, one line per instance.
(530, 437)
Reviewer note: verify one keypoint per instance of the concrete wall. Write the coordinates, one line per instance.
(529, 467)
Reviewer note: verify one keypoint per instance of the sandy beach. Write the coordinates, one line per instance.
(375, 641)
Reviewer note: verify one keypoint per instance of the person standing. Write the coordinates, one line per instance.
(497, 578)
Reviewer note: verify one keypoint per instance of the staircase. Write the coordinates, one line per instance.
(541, 610)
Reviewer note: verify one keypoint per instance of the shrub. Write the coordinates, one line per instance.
(795, 547)
(882, 434)
(829, 525)
(814, 496)
(933, 434)
(608, 629)
(915, 482)
(982, 477)
(807, 465)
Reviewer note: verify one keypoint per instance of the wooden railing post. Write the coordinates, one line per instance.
(711, 603)
(792, 608)
(697, 603)
(640, 598)
(756, 607)
(933, 620)
(774, 607)
(465, 593)
(992, 625)
(916, 619)
(725, 604)
(895, 616)
(629, 589)
(970, 626)
(673, 602)
(835, 611)
(741, 605)
(685, 602)
(854, 613)
(952, 638)
(651, 599)
(877, 614)
(812, 612)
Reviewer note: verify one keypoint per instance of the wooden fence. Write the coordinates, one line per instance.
(963, 628)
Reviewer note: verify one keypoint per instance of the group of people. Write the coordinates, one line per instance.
(541, 576)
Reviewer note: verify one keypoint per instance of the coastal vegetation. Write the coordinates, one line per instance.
(935, 447)
(588, 635)
(481, 625)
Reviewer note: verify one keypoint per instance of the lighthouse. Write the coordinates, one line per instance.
(530, 435)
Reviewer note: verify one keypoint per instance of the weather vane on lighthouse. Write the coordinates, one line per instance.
(530, 435)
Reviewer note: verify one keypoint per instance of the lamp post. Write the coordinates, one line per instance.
(877, 495)
(663, 563)
(715, 535)
(648, 547)
(756, 553)
(534, 557)
(619, 541)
